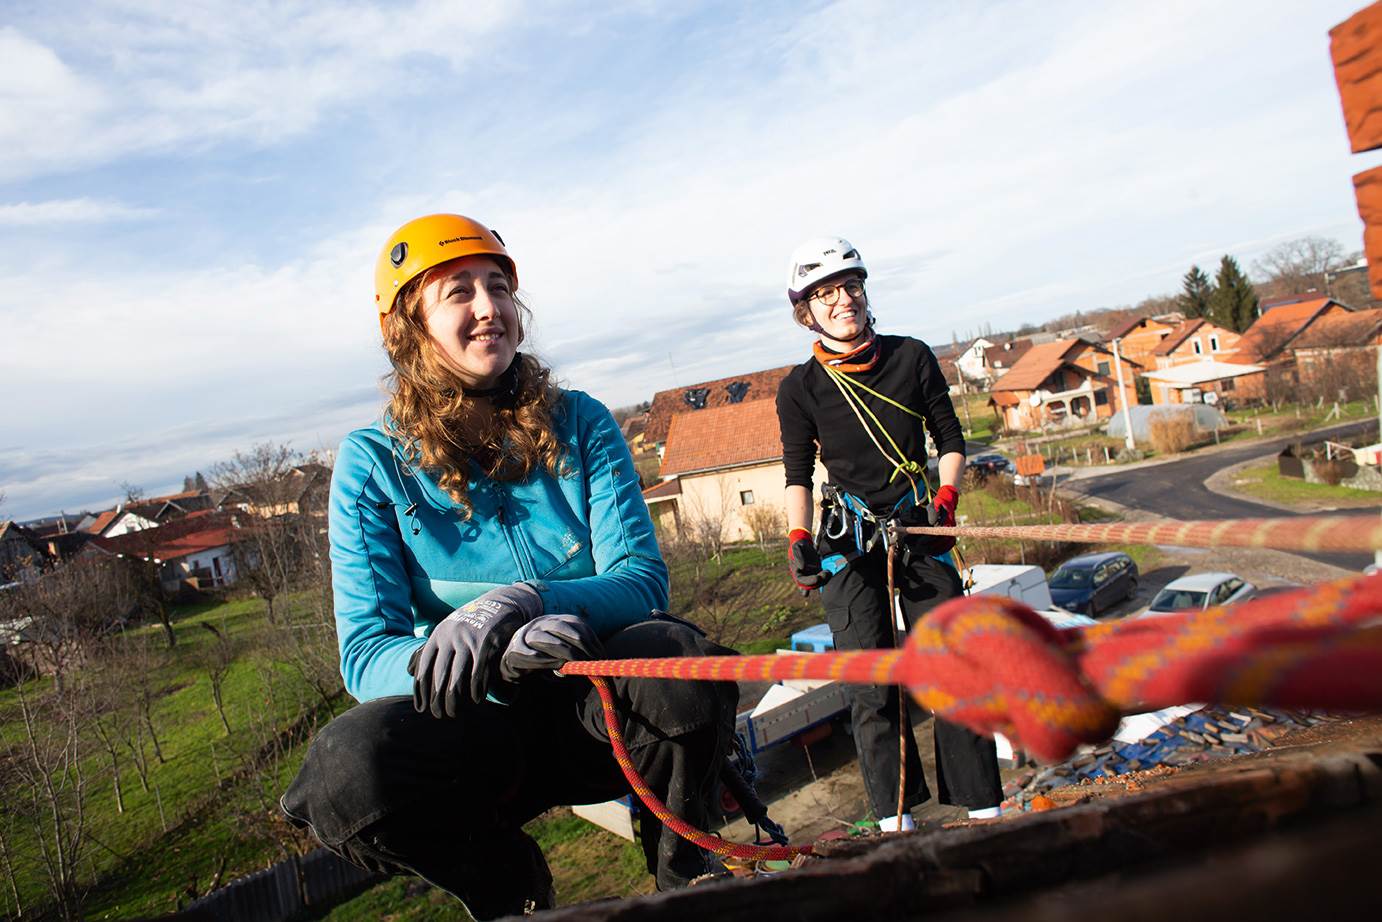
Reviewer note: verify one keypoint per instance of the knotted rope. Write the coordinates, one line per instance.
(994, 665)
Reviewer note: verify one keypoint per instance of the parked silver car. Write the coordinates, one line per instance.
(1199, 591)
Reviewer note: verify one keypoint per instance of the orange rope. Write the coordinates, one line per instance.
(1293, 533)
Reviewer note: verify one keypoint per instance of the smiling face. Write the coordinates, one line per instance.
(844, 321)
(468, 308)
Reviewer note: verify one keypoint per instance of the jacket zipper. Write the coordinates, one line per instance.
(517, 546)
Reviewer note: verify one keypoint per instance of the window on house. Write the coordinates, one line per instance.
(1226, 384)
(695, 397)
(746, 497)
(1101, 398)
(1214, 343)
(1103, 369)
(737, 390)
(1197, 347)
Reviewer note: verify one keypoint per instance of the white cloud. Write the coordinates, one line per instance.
(132, 77)
(996, 164)
(70, 211)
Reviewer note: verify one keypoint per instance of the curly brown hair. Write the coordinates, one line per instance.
(433, 417)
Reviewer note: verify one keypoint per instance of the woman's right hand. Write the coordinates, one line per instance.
(461, 655)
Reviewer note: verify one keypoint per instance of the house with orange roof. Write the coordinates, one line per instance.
(1066, 382)
(707, 395)
(1194, 341)
(1269, 340)
(1000, 359)
(720, 465)
(1139, 338)
(1339, 352)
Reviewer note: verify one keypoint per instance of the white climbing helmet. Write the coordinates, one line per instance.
(817, 260)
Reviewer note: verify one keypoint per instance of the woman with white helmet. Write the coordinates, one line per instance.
(488, 529)
(866, 402)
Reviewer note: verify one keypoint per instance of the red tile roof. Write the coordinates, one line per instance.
(1357, 328)
(103, 521)
(1275, 329)
(1036, 366)
(1005, 355)
(1177, 336)
(762, 385)
(195, 542)
(741, 433)
(663, 489)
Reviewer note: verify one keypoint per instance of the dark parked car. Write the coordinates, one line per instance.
(989, 464)
(1094, 583)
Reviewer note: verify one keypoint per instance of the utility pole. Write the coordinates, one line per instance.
(1123, 397)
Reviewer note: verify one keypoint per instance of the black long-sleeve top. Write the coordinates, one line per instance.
(811, 411)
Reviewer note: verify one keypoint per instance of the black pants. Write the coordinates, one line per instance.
(856, 607)
(396, 791)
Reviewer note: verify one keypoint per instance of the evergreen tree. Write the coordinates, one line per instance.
(199, 482)
(1234, 301)
(1195, 293)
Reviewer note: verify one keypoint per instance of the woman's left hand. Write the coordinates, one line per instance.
(548, 643)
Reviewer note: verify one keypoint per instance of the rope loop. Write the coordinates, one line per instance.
(995, 666)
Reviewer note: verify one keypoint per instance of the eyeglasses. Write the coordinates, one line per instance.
(829, 295)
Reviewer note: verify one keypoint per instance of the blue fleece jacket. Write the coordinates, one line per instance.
(403, 558)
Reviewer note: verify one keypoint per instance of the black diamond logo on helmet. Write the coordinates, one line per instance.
(398, 254)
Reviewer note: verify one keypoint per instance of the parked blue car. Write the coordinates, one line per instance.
(1094, 583)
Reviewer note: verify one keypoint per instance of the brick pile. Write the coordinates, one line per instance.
(1205, 735)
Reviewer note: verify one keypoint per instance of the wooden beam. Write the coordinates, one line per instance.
(1367, 188)
(1356, 47)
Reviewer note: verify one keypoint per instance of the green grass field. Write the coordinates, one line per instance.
(1262, 481)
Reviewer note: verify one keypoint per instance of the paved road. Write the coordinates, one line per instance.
(1177, 490)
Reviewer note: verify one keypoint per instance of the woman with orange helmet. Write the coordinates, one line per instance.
(488, 529)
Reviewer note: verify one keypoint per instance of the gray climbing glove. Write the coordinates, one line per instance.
(548, 643)
(462, 653)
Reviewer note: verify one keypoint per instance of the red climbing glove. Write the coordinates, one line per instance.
(942, 513)
(804, 561)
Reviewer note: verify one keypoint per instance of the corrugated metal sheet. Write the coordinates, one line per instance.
(271, 895)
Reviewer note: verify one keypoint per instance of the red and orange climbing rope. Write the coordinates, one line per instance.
(996, 666)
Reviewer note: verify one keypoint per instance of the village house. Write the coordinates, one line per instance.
(21, 554)
(196, 550)
(1062, 383)
(1191, 382)
(1139, 338)
(971, 360)
(708, 395)
(1193, 341)
(999, 359)
(1339, 353)
(303, 490)
(1268, 339)
(720, 465)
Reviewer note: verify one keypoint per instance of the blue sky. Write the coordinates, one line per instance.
(192, 195)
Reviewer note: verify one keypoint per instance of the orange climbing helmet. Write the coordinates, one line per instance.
(430, 241)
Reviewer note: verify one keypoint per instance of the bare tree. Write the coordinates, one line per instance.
(767, 521)
(708, 520)
(313, 654)
(66, 610)
(46, 757)
(278, 546)
(218, 659)
(133, 492)
(1298, 266)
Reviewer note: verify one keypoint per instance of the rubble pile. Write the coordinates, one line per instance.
(1206, 734)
